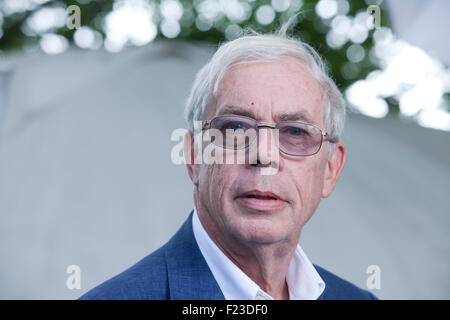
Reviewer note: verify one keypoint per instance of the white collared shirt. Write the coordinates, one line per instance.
(304, 282)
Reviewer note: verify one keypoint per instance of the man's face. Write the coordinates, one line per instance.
(237, 198)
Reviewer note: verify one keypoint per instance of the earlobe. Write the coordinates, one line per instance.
(335, 165)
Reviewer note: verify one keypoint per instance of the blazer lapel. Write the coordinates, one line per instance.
(188, 273)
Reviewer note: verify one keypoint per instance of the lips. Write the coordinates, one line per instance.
(256, 194)
(261, 200)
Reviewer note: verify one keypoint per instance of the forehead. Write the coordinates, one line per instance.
(273, 91)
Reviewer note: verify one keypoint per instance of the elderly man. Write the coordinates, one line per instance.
(241, 239)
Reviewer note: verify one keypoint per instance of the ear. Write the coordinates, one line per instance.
(190, 156)
(335, 164)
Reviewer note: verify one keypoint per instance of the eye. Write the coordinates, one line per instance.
(234, 125)
(295, 131)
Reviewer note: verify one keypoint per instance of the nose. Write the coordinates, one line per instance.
(267, 151)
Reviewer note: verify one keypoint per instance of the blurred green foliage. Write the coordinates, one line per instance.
(310, 27)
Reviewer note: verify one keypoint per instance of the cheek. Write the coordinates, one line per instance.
(206, 178)
(214, 181)
(316, 182)
(309, 180)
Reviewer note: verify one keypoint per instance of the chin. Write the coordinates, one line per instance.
(260, 230)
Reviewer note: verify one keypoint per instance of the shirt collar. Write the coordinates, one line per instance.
(304, 282)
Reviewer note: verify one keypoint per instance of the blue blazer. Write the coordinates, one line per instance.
(178, 271)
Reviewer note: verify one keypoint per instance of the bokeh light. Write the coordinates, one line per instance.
(265, 15)
(409, 75)
(355, 53)
(233, 31)
(171, 9)
(170, 28)
(326, 9)
(281, 5)
(86, 38)
(378, 72)
(45, 19)
(130, 21)
(53, 43)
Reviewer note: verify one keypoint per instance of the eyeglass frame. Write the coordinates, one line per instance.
(324, 134)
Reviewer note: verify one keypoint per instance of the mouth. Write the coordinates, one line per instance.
(261, 200)
(256, 194)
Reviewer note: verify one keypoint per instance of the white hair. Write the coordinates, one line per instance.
(265, 47)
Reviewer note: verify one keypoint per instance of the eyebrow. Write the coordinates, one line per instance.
(294, 116)
(235, 110)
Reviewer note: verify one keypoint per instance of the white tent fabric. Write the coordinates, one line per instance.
(86, 179)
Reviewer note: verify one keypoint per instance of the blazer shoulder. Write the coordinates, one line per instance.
(337, 288)
(147, 279)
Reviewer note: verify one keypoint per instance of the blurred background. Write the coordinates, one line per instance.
(91, 91)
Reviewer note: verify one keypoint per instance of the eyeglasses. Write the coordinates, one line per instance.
(294, 138)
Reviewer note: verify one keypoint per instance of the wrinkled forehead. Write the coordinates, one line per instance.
(275, 90)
